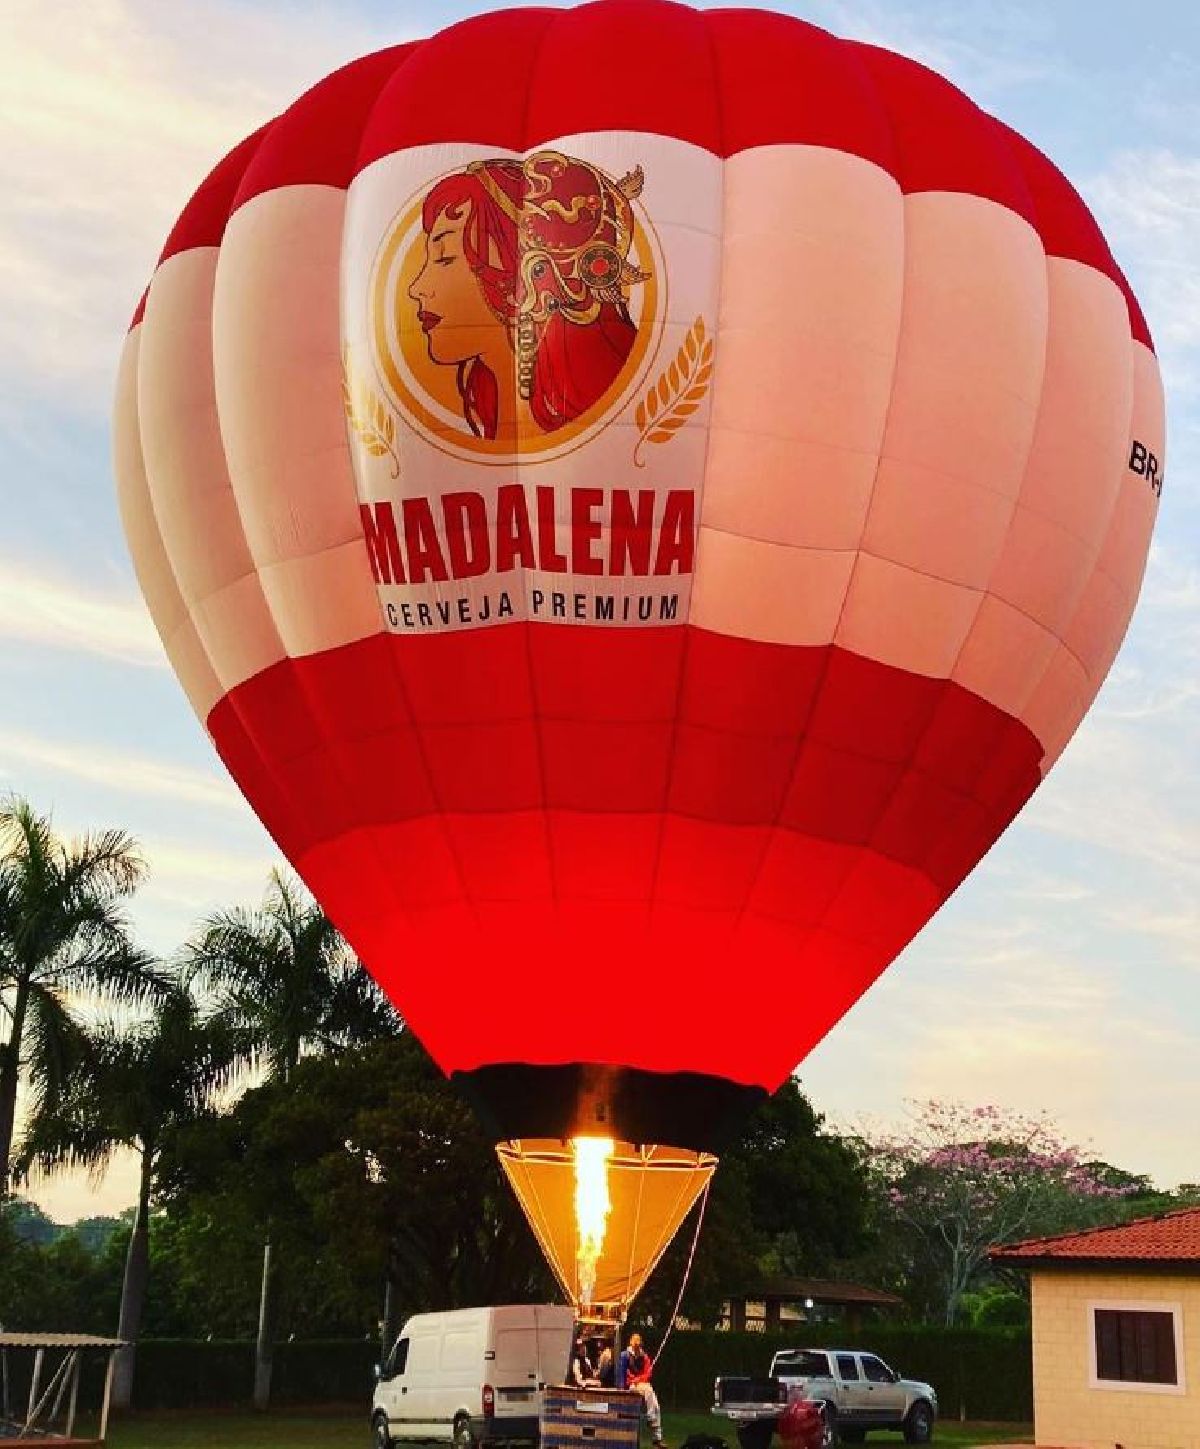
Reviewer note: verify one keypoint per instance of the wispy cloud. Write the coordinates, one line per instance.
(190, 875)
(1148, 202)
(1172, 593)
(127, 774)
(56, 613)
(1045, 1027)
(1114, 791)
(121, 107)
(983, 47)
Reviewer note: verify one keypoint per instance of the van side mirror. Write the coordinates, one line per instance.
(895, 1375)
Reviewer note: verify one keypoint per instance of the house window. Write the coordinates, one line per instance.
(1135, 1346)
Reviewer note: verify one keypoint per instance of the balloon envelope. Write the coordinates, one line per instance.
(639, 499)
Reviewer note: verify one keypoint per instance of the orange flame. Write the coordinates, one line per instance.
(592, 1206)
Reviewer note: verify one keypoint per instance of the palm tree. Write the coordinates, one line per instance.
(129, 1084)
(283, 980)
(62, 931)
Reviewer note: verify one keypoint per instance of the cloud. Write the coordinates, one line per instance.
(1172, 595)
(1043, 1025)
(1170, 933)
(982, 47)
(116, 110)
(1148, 204)
(1121, 791)
(190, 876)
(128, 774)
(36, 608)
(1127, 785)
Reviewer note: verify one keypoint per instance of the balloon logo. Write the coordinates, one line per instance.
(514, 303)
(637, 532)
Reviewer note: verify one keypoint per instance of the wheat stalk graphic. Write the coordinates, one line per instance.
(369, 417)
(678, 392)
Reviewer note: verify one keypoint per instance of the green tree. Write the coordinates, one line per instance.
(29, 1222)
(94, 1233)
(284, 981)
(131, 1084)
(62, 933)
(370, 1165)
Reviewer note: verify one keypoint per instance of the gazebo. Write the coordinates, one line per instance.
(774, 1305)
(53, 1386)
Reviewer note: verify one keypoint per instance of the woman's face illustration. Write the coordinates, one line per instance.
(457, 321)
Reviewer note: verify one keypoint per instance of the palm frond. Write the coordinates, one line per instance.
(232, 946)
(57, 1047)
(117, 974)
(60, 903)
(358, 1011)
(129, 1083)
(273, 973)
(24, 834)
(58, 1143)
(107, 865)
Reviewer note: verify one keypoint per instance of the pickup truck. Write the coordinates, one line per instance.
(856, 1390)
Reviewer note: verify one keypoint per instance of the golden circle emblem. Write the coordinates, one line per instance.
(515, 304)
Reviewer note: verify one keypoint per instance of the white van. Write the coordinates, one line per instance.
(472, 1376)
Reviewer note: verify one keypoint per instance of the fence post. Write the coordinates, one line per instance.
(74, 1399)
(34, 1385)
(108, 1388)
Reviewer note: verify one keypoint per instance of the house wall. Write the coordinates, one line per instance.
(1069, 1410)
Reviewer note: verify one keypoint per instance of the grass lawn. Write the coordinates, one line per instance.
(677, 1427)
(344, 1429)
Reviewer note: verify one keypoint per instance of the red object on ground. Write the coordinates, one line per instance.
(802, 1425)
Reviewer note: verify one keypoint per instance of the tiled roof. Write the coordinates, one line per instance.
(1166, 1238)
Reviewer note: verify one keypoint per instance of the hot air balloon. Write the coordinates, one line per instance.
(639, 498)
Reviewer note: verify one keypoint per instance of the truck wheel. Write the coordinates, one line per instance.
(381, 1437)
(918, 1426)
(463, 1438)
(831, 1435)
(757, 1435)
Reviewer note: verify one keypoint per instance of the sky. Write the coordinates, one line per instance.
(1063, 976)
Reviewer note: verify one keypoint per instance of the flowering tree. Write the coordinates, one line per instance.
(962, 1179)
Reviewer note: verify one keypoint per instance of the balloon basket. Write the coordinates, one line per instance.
(574, 1418)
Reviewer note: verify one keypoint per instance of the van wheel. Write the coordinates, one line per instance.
(380, 1435)
(463, 1438)
(918, 1427)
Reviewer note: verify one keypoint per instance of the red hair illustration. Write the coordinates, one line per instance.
(540, 247)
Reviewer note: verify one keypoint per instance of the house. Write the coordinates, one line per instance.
(1116, 1333)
